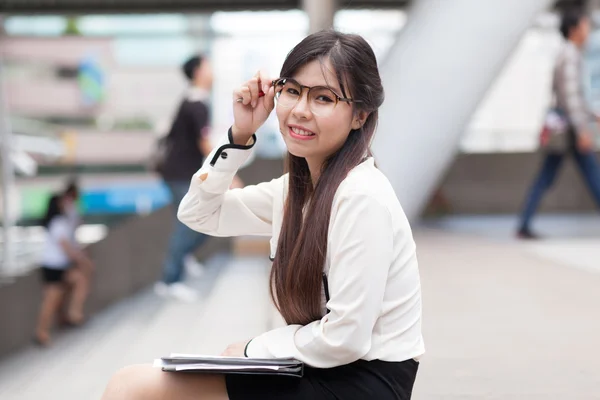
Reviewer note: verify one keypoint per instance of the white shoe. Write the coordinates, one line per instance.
(181, 292)
(193, 268)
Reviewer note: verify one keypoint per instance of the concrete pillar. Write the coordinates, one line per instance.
(320, 13)
(593, 10)
(199, 28)
(7, 173)
(435, 75)
(593, 5)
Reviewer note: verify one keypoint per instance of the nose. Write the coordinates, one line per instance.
(302, 107)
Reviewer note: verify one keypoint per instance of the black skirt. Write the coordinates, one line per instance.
(360, 380)
(52, 275)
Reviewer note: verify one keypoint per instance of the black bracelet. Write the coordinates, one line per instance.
(246, 348)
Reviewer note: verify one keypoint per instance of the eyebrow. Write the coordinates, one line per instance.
(336, 90)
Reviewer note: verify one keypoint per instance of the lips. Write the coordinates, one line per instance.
(300, 133)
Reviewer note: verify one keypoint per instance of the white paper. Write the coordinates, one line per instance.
(187, 367)
(182, 355)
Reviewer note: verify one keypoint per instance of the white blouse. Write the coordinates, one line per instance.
(371, 264)
(54, 256)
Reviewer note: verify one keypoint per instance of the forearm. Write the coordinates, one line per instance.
(204, 146)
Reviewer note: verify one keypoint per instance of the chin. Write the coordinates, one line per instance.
(295, 151)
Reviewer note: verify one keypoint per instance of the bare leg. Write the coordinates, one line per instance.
(144, 382)
(79, 286)
(87, 268)
(53, 294)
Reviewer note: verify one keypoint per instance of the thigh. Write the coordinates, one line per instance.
(249, 387)
(587, 163)
(145, 382)
(185, 239)
(357, 381)
(550, 167)
(552, 161)
(178, 190)
(74, 276)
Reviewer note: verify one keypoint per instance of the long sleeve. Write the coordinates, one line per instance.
(212, 208)
(361, 249)
(570, 82)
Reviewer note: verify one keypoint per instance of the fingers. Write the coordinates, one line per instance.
(269, 99)
(242, 95)
(254, 89)
(263, 83)
(264, 80)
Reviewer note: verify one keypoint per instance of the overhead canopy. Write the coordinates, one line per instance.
(139, 6)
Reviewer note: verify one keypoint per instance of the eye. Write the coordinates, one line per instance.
(292, 91)
(324, 98)
(323, 95)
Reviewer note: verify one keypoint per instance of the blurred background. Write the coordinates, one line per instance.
(88, 87)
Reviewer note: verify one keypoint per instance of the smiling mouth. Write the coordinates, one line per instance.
(301, 132)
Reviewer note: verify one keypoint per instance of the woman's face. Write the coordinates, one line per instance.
(306, 134)
(67, 205)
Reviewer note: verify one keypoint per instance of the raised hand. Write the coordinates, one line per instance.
(250, 108)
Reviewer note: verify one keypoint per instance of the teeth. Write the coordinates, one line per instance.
(301, 132)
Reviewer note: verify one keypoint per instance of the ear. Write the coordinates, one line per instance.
(359, 119)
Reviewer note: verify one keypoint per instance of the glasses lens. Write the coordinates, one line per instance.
(287, 93)
(322, 100)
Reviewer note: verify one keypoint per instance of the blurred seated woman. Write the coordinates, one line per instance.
(63, 269)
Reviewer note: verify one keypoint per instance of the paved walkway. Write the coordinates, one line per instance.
(503, 323)
(502, 320)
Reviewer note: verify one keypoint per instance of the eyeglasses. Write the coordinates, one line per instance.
(321, 99)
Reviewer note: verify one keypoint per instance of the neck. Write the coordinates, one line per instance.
(577, 42)
(314, 166)
(200, 85)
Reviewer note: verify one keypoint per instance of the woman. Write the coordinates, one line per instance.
(344, 275)
(63, 270)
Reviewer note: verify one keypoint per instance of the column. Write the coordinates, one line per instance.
(320, 13)
(200, 30)
(7, 172)
(593, 10)
(435, 75)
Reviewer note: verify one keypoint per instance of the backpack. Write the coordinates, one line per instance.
(159, 155)
(554, 132)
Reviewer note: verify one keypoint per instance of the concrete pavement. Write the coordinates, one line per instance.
(502, 320)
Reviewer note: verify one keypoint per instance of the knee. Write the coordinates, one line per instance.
(132, 383)
(78, 278)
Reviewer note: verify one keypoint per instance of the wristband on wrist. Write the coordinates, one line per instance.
(246, 349)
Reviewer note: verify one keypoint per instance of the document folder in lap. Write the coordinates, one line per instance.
(230, 365)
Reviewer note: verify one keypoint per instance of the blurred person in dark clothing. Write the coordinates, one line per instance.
(572, 108)
(188, 145)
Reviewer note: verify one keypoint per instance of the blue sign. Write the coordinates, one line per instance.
(125, 199)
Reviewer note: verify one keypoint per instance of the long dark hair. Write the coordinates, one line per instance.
(296, 275)
(54, 209)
